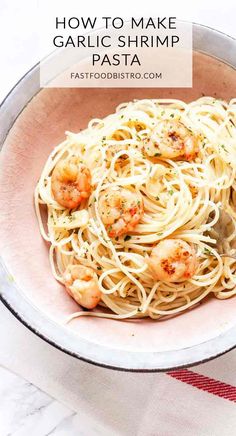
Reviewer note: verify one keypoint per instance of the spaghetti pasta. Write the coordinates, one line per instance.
(162, 169)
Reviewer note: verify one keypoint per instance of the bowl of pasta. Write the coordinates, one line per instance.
(118, 214)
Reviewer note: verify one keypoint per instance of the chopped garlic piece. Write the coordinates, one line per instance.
(154, 183)
(76, 219)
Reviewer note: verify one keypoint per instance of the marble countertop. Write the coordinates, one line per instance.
(26, 410)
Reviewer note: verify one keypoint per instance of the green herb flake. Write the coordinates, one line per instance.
(223, 147)
(171, 192)
(10, 278)
(207, 252)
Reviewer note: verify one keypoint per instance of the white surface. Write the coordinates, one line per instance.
(25, 410)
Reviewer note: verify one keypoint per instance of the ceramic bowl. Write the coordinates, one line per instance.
(32, 122)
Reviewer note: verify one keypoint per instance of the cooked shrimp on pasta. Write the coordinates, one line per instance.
(132, 202)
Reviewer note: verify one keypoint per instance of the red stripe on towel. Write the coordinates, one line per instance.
(207, 384)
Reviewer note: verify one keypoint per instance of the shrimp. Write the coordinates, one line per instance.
(172, 139)
(71, 182)
(120, 210)
(172, 260)
(81, 283)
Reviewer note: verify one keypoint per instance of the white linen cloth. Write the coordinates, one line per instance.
(117, 403)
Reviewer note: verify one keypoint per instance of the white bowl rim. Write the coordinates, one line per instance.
(64, 339)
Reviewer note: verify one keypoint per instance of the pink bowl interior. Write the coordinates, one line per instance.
(37, 130)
